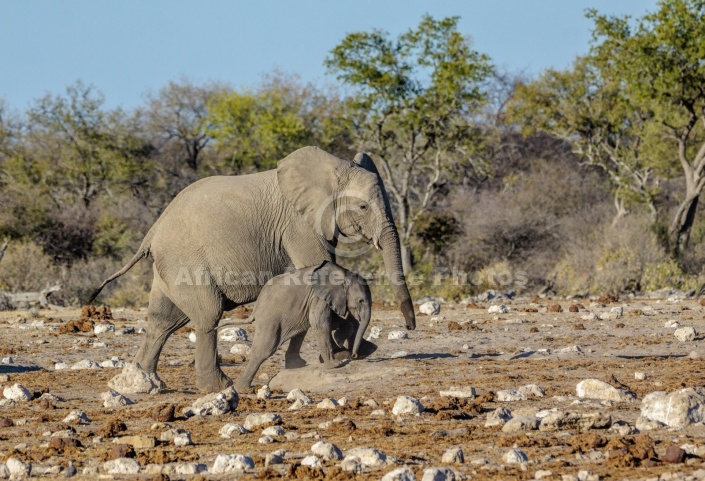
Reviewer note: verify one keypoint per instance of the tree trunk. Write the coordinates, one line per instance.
(3, 249)
(679, 231)
(405, 258)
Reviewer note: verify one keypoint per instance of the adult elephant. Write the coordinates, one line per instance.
(222, 238)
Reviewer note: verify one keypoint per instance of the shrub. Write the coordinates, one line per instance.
(26, 268)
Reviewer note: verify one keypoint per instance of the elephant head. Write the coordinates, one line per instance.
(345, 200)
(345, 293)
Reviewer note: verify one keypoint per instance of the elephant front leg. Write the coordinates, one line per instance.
(209, 376)
(292, 358)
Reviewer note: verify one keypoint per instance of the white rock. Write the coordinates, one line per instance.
(17, 468)
(645, 424)
(400, 474)
(231, 430)
(255, 420)
(273, 431)
(395, 335)
(59, 366)
(510, 395)
(640, 376)
(351, 465)
(113, 399)
(76, 417)
(226, 463)
(685, 334)
(101, 328)
(438, 474)
(498, 309)
(596, 389)
(453, 456)
(17, 392)
(398, 354)
(430, 308)
(406, 405)
(296, 394)
(264, 393)
(521, 423)
(514, 456)
(232, 334)
(183, 439)
(497, 417)
(4, 471)
(366, 456)
(214, 404)
(677, 409)
(343, 401)
(122, 466)
(571, 349)
(532, 390)
(459, 392)
(375, 331)
(192, 336)
(133, 379)
(265, 440)
(311, 461)
(327, 451)
(378, 412)
(111, 363)
(7, 360)
(671, 324)
(171, 434)
(543, 473)
(273, 458)
(141, 330)
(298, 404)
(590, 317)
(617, 312)
(327, 403)
(85, 364)
(241, 349)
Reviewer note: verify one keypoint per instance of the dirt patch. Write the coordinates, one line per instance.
(80, 325)
(100, 313)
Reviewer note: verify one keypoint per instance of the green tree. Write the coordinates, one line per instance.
(253, 129)
(413, 106)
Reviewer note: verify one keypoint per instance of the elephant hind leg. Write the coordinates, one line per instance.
(292, 358)
(263, 346)
(164, 319)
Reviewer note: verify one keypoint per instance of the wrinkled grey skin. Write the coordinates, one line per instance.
(254, 227)
(316, 298)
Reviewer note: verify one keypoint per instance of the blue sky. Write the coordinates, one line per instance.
(126, 48)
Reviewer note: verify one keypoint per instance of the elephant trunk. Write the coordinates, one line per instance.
(391, 252)
(361, 328)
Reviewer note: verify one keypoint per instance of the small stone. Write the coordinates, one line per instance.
(438, 474)
(378, 412)
(264, 393)
(685, 334)
(590, 317)
(327, 451)
(296, 394)
(100, 328)
(17, 469)
(241, 349)
(406, 405)
(133, 379)
(111, 363)
(273, 431)
(677, 409)
(571, 349)
(163, 413)
(327, 403)
(674, 455)
(232, 334)
(400, 474)
(17, 392)
(459, 392)
(231, 430)
(214, 404)
(640, 376)
(497, 417)
(617, 312)
(645, 424)
(453, 456)
(351, 465)
(498, 309)
(170, 435)
(60, 366)
(531, 390)
(399, 354)
(514, 456)
(85, 364)
(183, 439)
(298, 404)
(521, 423)
(375, 331)
(192, 337)
(7, 360)
(312, 462)
(256, 420)
(113, 399)
(509, 395)
(671, 324)
(366, 456)
(226, 463)
(342, 401)
(543, 473)
(430, 308)
(76, 417)
(396, 335)
(265, 440)
(596, 389)
(122, 466)
(273, 458)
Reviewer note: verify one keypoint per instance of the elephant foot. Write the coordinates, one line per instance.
(214, 381)
(294, 362)
(341, 355)
(243, 387)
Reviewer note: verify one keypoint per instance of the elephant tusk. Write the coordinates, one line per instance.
(375, 242)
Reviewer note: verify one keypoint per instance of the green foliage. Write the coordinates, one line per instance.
(438, 231)
(25, 267)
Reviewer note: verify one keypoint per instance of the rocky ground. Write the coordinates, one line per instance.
(559, 388)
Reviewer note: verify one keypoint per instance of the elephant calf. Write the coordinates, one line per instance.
(314, 297)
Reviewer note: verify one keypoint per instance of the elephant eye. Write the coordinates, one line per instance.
(363, 207)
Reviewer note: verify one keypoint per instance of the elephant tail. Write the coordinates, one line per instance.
(142, 252)
(249, 320)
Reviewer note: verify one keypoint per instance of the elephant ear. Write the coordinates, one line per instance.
(330, 283)
(366, 162)
(308, 178)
